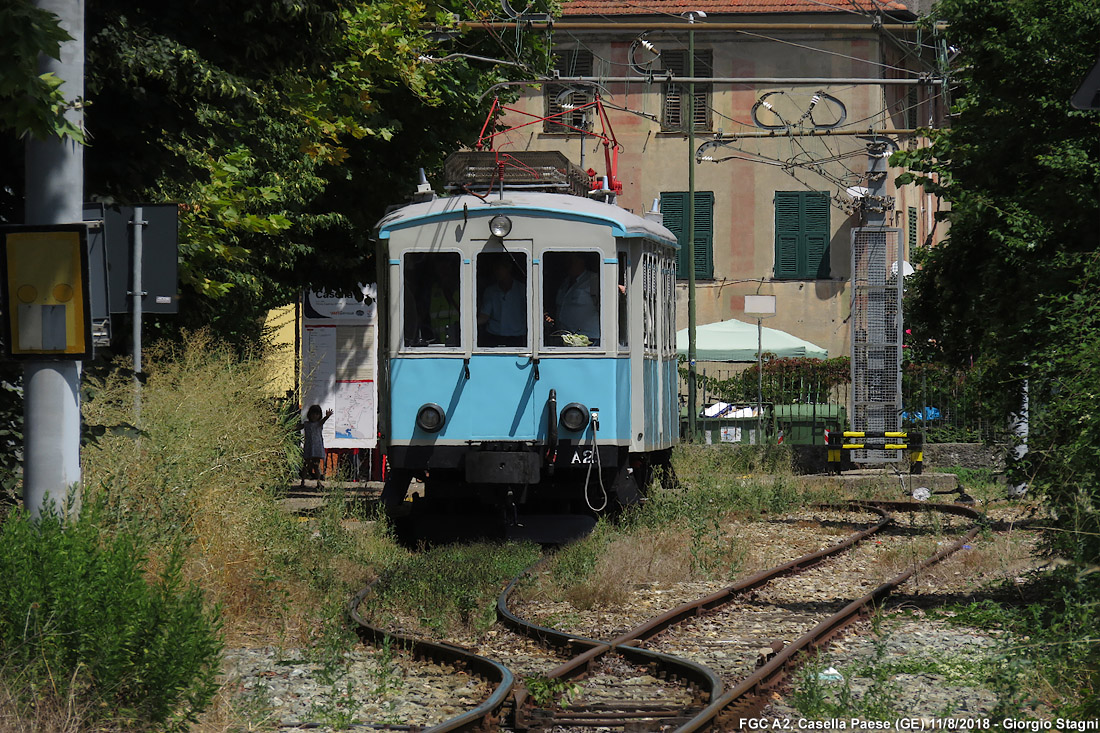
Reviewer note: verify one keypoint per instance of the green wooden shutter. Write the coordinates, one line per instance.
(704, 234)
(815, 233)
(674, 108)
(674, 211)
(801, 234)
(788, 220)
(576, 62)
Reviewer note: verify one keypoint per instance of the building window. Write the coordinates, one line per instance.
(912, 108)
(801, 235)
(913, 238)
(564, 100)
(674, 112)
(674, 206)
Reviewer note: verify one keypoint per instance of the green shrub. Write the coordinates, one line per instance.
(725, 460)
(1050, 654)
(79, 621)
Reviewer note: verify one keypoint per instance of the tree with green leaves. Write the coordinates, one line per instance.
(1019, 167)
(1014, 285)
(282, 129)
(31, 103)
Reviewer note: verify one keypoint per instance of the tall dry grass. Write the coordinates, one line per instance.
(205, 472)
(202, 472)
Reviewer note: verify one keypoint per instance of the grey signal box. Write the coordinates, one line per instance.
(1087, 96)
(159, 259)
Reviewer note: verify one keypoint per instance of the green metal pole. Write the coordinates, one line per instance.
(693, 409)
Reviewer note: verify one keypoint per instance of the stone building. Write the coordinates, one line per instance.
(788, 96)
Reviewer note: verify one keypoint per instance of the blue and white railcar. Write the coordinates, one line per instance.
(529, 349)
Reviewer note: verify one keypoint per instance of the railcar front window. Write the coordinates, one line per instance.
(432, 299)
(571, 288)
(502, 299)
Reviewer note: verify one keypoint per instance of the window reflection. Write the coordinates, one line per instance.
(433, 315)
(571, 287)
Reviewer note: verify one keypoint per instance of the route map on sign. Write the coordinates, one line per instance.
(356, 413)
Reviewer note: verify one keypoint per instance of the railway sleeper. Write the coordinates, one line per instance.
(629, 717)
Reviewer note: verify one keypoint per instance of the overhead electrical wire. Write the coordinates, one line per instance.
(800, 156)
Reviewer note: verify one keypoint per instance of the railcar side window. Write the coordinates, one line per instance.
(624, 311)
(501, 299)
(571, 293)
(432, 299)
(670, 305)
(649, 295)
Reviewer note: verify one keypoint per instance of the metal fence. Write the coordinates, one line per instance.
(944, 404)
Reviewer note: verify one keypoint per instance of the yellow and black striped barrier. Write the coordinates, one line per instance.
(880, 440)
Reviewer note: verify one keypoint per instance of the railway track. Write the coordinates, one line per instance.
(643, 680)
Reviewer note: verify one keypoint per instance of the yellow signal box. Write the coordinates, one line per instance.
(45, 292)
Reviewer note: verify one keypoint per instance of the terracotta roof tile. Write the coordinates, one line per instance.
(575, 8)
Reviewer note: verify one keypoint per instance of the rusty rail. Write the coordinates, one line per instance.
(699, 677)
(721, 706)
(485, 716)
(748, 697)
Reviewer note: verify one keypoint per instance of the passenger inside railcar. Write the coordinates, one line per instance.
(502, 300)
(432, 299)
(574, 277)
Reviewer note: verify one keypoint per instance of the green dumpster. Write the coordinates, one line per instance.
(738, 425)
(803, 424)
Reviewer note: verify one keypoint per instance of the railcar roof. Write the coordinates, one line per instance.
(549, 205)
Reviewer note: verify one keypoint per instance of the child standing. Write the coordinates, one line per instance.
(314, 450)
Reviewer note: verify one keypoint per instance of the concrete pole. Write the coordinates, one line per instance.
(759, 381)
(55, 194)
(693, 408)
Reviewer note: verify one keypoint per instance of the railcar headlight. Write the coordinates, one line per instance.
(430, 418)
(500, 225)
(574, 416)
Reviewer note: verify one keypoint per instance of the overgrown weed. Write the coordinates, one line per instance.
(679, 534)
(1050, 654)
(819, 694)
(204, 475)
(213, 457)
(87, 635)
(448, 589)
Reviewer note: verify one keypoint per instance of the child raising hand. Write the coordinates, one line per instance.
(313, 451)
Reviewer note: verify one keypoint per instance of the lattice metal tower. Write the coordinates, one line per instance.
(878, 270)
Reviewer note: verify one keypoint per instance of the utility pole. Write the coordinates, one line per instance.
(693, 408)
(55, 194)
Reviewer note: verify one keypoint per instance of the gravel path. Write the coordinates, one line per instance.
(372, 686)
